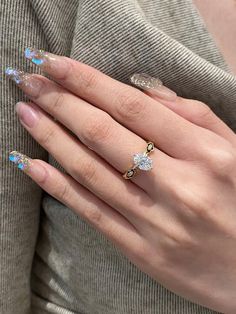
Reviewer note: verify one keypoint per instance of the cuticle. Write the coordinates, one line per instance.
(34, 79)
(47, 173)
(69, 65)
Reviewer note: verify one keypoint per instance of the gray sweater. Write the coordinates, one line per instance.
(51, 260)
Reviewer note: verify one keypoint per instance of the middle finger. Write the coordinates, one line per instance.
(127, 105)
(94, 127)
(138, 112)
(85, 166)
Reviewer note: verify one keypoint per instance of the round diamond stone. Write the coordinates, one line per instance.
(143, 161)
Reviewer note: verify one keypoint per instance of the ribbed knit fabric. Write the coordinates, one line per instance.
(75, 268)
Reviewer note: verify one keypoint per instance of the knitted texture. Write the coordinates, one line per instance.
(55, 262)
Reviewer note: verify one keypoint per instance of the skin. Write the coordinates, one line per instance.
(177, 222)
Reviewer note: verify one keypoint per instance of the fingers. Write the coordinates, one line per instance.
(196, 112)
(132, 108)
(94, 127)
(66, 190)
(85, 166)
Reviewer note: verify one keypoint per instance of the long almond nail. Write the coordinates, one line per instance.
(37, 56)
(33, 168)
(29, 83)
(48, 62)
(15, 75)
(27, 114)
(21, 160)
(153, 85)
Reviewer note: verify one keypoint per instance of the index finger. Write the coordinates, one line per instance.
(132, 108)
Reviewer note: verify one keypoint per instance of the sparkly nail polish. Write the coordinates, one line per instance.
(153, 85)
(22, 161)
(56, 66)
(37, 56)
(29, 83)
(16, 75)
(19, 77)
(145, 81)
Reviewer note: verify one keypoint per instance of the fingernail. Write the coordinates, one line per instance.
(22, 161)
(37, 56)
(33, 169)
(15, 75)
(27, 114)
(30, 84)
(153, 85)
(50, 63)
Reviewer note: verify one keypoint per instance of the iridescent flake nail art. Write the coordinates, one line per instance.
(15, 75)
(20, 78)
(145, 81)
(22, 161)
(38, 57)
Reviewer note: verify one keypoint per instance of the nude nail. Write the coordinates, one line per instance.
(153, 85)
(29, 83)
(27, 114)
(48, 62)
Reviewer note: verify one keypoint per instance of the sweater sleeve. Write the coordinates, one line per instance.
(21, 26)
(20, 197)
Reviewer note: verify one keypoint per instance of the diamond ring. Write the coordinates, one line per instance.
(141, 161)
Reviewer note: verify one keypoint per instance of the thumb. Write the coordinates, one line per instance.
(192, 110)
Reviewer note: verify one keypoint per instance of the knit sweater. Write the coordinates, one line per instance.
(51, 260)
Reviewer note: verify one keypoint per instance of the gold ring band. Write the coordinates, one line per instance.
(141, 161)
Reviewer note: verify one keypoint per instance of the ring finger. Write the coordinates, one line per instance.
(97, 129)
(84, 165)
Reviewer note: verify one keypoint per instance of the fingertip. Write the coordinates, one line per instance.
(153, 86)
(34, 168)
(38, 171)
(55, 65)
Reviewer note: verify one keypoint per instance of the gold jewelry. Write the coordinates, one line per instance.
(141, 161)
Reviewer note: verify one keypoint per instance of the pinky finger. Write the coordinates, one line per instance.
(69, 192)
(192, 110)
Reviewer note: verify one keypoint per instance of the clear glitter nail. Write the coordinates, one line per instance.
(37, 56)
(22, 161)
(14, 74)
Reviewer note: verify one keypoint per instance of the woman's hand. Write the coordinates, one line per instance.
(177, 222)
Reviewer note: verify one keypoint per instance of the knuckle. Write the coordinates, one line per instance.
(176, 246)
(47, 137)
(85, 170)
(62, 191)
(204, 112)
(130, 105)
(194, 201)
(58, 102)
(97, 128)
(174, 235)
(223, 162)
(87, 81)
(93, 215)
(181, 240)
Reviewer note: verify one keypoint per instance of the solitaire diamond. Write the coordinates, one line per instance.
(142, 161)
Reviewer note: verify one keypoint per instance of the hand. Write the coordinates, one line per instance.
(177, 222)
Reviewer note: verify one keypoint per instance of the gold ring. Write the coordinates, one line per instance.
(141, 161)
